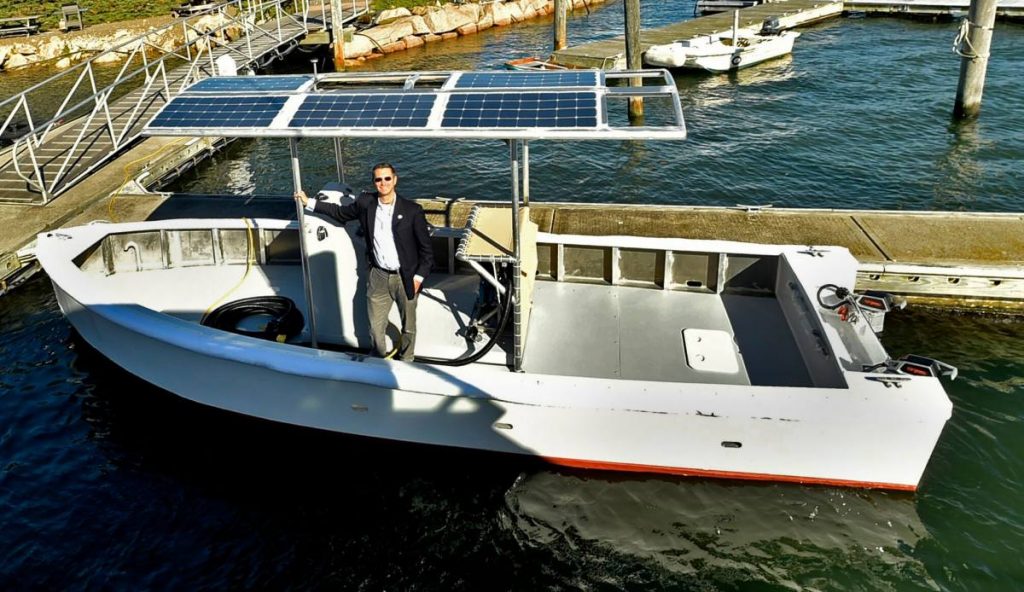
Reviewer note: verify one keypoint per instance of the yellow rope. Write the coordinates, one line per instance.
(128, 177)
(250, 258)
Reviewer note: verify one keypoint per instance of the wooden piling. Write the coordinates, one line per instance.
(338, 34)
(633, 51)
(561, 24)
(974, 48)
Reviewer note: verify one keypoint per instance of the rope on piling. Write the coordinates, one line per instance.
(963, 40)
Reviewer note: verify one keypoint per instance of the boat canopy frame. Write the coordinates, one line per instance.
(624, 84)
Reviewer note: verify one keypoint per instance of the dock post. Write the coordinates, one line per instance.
(561, 17)
(338, 34)
(973, 44)
(636, 104)
(307, 281)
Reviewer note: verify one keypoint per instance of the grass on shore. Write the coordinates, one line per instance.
(379, 5)
(97, 11)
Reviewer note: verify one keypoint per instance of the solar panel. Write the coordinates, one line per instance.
(514, 109)
(210, 112)
(250, 84)
(364, 110)
(585, 78)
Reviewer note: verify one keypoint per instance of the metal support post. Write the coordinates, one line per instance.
(293, 144)
(339, 160)
(526, 173)
(517, 321)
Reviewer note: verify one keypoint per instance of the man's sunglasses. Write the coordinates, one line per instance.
(379, 179)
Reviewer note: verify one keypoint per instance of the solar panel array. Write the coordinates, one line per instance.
(364, 110)
(576, 78)
(250, 84)
(477, 104)
(521, 110)
(231, 112)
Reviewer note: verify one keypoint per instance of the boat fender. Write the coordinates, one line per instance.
(736, 60)
(285, 319)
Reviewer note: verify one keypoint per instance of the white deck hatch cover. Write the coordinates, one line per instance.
(710, 350)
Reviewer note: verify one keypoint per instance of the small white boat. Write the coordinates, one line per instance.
(723, 53)
(628, 353)
(530, 64)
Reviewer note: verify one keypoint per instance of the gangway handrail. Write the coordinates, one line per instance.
(195, 43)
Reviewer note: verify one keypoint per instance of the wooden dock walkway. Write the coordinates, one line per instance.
(791, 13)
(1005, 9)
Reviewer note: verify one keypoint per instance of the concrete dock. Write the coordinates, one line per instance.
(906, 253)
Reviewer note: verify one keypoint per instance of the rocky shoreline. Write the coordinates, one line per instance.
(393, 30)
(400, 28)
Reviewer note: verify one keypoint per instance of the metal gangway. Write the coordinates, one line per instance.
(57, 143)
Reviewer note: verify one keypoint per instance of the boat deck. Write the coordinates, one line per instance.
(577, 329)
(636, 333)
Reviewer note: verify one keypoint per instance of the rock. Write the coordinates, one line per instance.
(413, 41)
(449, 35)
(472, 11)
(529, 13)
(24, 49)
(63, 64)
(431, 38)
(486, 22)
(420, 10)
(515, 12)
(16, 60)
(419, 26)
(465, 30)
(391, 15)
(108, 58)
(393, 47)
(4, 52)
(359, 46)
(388, 34)
(499, 14)
(447, 18)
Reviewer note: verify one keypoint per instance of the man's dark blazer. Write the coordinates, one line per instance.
(409, 225)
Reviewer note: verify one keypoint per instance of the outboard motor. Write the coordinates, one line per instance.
(771, 26)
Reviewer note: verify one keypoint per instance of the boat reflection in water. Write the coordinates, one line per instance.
(773, 533)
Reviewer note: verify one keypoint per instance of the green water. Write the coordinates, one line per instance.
(106, 483)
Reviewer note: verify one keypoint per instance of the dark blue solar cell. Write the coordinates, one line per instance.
(577, 78)
(363, 110)
(522, 110)
(250, 84)
(198, 112)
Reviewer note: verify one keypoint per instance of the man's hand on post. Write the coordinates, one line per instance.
(300, 196)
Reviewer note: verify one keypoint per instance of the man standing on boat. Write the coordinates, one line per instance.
(397, 249)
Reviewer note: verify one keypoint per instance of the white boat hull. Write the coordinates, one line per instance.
(868, 435)
(719, 57)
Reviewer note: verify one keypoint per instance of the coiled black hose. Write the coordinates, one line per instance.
(505, 316)
(285, 319)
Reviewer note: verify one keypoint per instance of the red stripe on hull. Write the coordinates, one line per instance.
(634, 468)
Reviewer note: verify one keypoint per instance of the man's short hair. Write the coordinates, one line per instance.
(383, 165)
